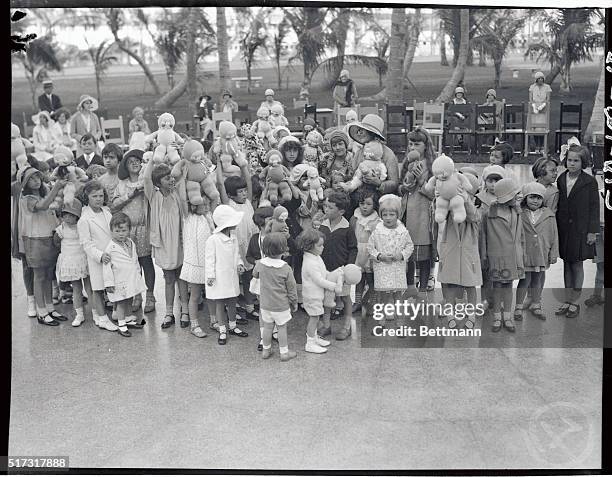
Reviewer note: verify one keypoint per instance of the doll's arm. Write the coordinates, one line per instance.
(179, 168)
(221, 185)
(246, 174)
(372, 250)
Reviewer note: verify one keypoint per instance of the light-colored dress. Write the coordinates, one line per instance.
(364, 226)
(72, 261)
(166, 230)
(122, 272)
(109, 183)
(195, 234)
(222, 260)
(137, 210)
(94, 235)
(314, 283)
(390, 276)
(44, 138)
(245, 229)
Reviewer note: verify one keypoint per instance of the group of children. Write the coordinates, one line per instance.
(273, 259)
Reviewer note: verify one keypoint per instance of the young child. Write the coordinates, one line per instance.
(540, 248)
(390, 247)
(339, 159)
(122, 278)
(36, 224)
(236, 189)
(596, 298)
(500, 155)
(544, 171)
(167, 211)
(340, 249)
(89, 156)
(364, 222)
(94, 235)
(111, 155)
(314, 284)
(222, 266)
(503, 236)
(280, 298)
(578, 224)
(72, 261)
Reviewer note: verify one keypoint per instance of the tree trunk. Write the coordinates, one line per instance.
(339, 63)
(224, 67)
(248, 70)
(395, 87)
(596, 123)
(552, 75)
(443, 58)
(278, 71)
(191, 58)
(459, 71)
(498, 66)
(481, 56)
(413, 40)
(172, 96)
(98, 87)
(32, 83)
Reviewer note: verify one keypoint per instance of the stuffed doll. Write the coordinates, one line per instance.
(447, 184)
(262, 126)
(410, 179)
(312, 149)
(347, 275)
(198, 174)
(278, 174)
(278, 222)
(227, 150)
(371, 166)
(75, 176)
(277, 116)
(18, 143)
(253, 149)
(164, 137)
(314, 184)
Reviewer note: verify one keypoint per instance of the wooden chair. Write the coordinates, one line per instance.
(397, 127)
(515, 118)
(486, 126)
(109, 129)
(538, 125)
(341, 115)
(460, 127)
(243, 107)
(311, 109)
(299, 103)
(220, 116)
(433, 121)
(295, 117)
(570, 123)
(418, 113)
(365, 110)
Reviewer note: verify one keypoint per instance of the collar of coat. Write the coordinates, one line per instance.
(546, 213)
(343, 224)
(272, 262)
(581, 180)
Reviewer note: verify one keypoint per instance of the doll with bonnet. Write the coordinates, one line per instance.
(165, 137)
(65, 170)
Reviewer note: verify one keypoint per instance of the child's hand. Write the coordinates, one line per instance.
(553, 261)
(294, 307)
(106, 258)
(398, 257)
(591, 239)
(210, 282)
(241, 268)
(110, 289)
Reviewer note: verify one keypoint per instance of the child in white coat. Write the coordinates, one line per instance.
(222, 266)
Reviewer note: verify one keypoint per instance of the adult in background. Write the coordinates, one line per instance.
(44, 136)
(539, 101)
(85, 120)
(62, 126)
(270, 101)
(227, 104)
(491, 100)
(138, 122)
(344, 93)
(205, 113)
(48, 101)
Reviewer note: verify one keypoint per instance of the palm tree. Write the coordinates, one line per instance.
(443, 58)
(395, 86)
(253, 37)
(459, 72)
(222, 41)
(572, 40)
(381, 46)
(596, 123)
(278, 40)
(101, 58)
(39, 58)
(412, 39)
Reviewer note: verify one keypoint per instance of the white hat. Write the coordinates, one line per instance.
(47, 82)
(86, 97)
(269, 92)
(224, 216)
(36, 117)
(371, 122)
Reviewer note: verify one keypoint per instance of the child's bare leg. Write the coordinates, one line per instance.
(183, 292)
(123, 308)
(267, 340)
(348, 311)
(311, 327)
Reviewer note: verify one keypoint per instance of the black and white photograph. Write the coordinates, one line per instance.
(308, 237)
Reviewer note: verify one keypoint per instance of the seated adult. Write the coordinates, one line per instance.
(270, 101)
(85, 120)
(48, 101)
(62, 125)
(205, 113)
(45, 136)
(138, 122)
(227, 104)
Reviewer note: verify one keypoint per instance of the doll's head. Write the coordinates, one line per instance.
(312, 173)
(166, 121)
(352, 274)
(264, 129)
(193, 151)
(314, 138)
(227, 130)
(15, 133)
(351, 117)
(443, 167)
(62, 156)
(412, 156)
(273, 157)
(279, 216)
(309, 125)
(373, 151)
(277, 110)
(263, 113)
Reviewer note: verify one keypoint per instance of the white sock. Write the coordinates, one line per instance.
(267, 347)
(261, 330)
(283, 349)
(79, 312)
(41, 311)
(222, 329)
(50, 308)
(31, 300)
(232, 325)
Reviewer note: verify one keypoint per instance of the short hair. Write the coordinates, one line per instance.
(583, 152)
(63, 111)
(506, 149)
(539, 167)
(261, 214)
(233, 184)
(339, 199)
(307, 240)
(364, 193)
(159, 171)
(115, 149)
(138, 109)
(86, 137)
(90, 187)
(274, 244)
(119, 218)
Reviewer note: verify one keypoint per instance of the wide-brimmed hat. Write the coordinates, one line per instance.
(62, 151)
(269, 92)
(75, 207)
(494, 169)
(505, 190)
(47, 82)
(298, 171)
(36, 117)
(86, 97)
(469, 169)
(226, 91)
(370, 122)
(27, 173)
(224, 216)
(122, 170)
(534, 188)
(278, 129)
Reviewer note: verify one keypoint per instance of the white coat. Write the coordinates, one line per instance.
(123, 272)
(221, 259)
(94, 235)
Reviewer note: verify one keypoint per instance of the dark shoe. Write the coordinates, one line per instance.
(324, 331)
(563, 309)
(185, 323)
(222, 339)
(509, 325)
(241, 321)
(259, 347)
(168, 323)
(238, 332)
(57, 316)
(594, 300)
(66, 300)
(52, 322)
(125, 333)
(336, 314)
(356, 307)
(84, 299)
(497, 325)
(343, 334)
(253, 316)
(573, 311)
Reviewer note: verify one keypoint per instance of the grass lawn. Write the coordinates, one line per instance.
(120, 93)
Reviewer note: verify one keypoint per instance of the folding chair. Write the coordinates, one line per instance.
(460, 127)
(486, 126)
(538, 125)
(515, 118)
(433, 121)
(110, 126)
(397, 127)
(570, 123)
